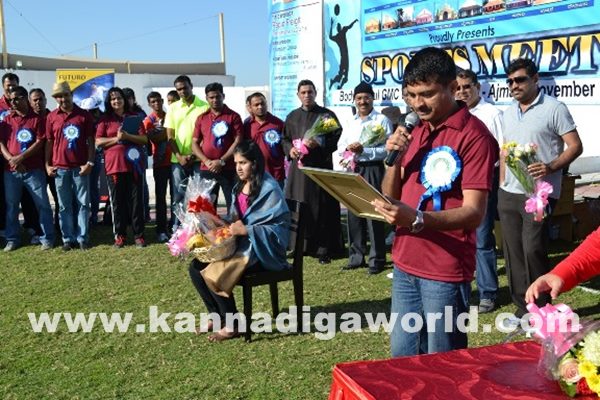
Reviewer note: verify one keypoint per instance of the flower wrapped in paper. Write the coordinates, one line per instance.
(323, 125)
(518, 158)
(570, 349)
(201, 227)
(372, 135)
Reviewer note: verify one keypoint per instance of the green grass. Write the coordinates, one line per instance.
(182, 365)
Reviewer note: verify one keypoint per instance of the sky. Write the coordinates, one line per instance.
(152, 31)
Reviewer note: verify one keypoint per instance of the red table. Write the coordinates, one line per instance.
(504, 371)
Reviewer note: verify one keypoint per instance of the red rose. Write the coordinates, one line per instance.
(583, 388)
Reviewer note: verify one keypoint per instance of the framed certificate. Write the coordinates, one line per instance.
(350, 189)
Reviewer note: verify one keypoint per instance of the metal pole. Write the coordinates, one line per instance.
(3, 36)
(95, 50)
(222, 32)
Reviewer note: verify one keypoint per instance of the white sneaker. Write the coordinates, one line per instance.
(390, 275)
(163, 237)
(35, 239)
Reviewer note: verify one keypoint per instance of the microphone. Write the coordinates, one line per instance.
(410, 122)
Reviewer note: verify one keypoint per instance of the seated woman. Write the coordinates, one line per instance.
(261, 224)
(582, 264)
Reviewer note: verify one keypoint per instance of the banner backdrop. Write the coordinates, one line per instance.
(296, 51)
(563, 37)
(89, 86)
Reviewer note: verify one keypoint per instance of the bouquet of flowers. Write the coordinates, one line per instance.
(372, 135)
(323, 125)
(570, 356)
(202, 232)
(518, 158)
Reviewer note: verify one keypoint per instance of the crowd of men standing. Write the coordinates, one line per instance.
(442, 236)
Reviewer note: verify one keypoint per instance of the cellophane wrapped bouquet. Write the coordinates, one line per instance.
(518, 157)
(323, 125)
(570, 356)
(372, 135)
(201, 231)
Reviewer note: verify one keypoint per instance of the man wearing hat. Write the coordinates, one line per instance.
(70, 155)
(367, 160)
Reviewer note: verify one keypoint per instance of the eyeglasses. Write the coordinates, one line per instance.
(464, 87)
(517, 79)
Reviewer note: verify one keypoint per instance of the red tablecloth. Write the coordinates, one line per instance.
(504, 371)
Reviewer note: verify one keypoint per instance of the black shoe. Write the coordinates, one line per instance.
(68, 246)
(350, 267)
(375, 270)
(324, 260)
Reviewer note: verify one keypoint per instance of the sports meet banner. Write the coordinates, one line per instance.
(89, 86)
(563, 36)
(296, 51)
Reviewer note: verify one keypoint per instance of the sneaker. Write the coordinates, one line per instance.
(35, 239)
(10, 246)
(486, 306)
(119, 242)
(140, 242)
(46, 246)
(163, 237)
(375, 270)
(84, 246)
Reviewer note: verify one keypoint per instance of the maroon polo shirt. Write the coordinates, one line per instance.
(115, 159)
(151, 122)
(268, 137)
(217, 133)
(4, 107)
(447, 256)
(28, 128)
(70, 132)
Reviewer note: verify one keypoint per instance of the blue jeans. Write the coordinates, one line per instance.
(411, 294)
(179, 176)
(70, 185)
(485, 256)
(35, 182)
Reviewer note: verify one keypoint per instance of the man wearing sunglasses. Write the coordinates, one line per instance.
(468, 90)
(533, 117)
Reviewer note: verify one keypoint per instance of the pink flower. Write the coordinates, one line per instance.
(568, 370)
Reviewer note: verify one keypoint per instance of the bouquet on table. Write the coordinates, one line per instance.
(570, 356)
(518, 158)
(372, 135)
(323, 125)
(201, 231)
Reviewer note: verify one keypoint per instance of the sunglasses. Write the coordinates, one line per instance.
(464, 87)
(16, 98)
(517, 79)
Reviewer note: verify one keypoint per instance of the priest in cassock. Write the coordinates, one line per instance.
(323, 226)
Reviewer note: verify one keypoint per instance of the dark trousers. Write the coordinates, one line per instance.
(225, 181)
(126, 190)
(359, 229)
(525, 243)
(162, 179)
(2, 199)
(214, 303)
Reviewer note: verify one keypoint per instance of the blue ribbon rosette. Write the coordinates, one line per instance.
(24, 137)
(438, 171)
(219, 129)
(71, 133)
(3, 114)
(272, 138)
(134, 156)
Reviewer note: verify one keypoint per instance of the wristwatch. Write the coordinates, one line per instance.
(222, 162)
(418, 224)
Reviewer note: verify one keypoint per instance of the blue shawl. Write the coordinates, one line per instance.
(267, 221)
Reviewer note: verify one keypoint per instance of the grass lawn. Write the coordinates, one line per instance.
(183, 365)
